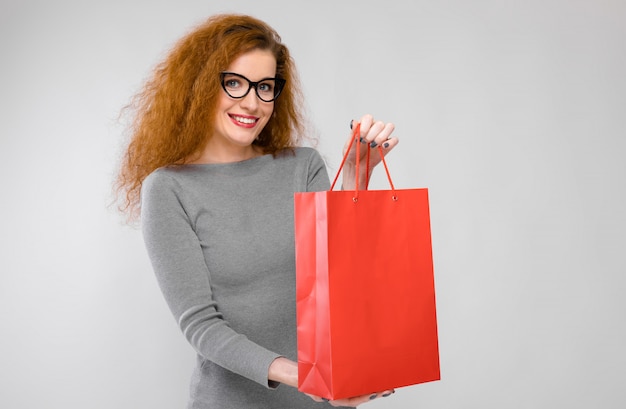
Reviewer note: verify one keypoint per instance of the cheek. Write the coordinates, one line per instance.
(269, 112)
(225, 103)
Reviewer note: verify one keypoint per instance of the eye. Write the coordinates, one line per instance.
(232, 82)
(266, 87)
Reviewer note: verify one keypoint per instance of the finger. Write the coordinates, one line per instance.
(349, 402)
(366, 122)
(385, 134)
(353, 124)
(380, 133)
(389, 144)
(315, 398)
(373, 131)
(354, 401)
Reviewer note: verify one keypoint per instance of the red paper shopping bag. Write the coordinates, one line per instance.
(365, 291)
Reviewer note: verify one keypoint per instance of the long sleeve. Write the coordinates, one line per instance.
(183, 276)
(220, 238)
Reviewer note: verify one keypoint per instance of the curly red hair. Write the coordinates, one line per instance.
(173, 113)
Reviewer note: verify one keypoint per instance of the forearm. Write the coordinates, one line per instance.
(284, 371)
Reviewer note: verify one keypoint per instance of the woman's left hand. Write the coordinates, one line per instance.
(373, 134)
(355, 401)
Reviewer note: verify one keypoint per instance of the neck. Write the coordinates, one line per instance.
(236, 154)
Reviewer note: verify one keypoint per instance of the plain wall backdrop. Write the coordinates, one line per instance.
(512, 113)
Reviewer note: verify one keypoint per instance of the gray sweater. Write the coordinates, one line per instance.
(220, 238)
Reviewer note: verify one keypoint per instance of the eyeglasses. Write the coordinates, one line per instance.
(237, 86)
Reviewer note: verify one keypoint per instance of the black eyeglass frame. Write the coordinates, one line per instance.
(279, 83)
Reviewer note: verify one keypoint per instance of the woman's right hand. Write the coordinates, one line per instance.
(355, 401)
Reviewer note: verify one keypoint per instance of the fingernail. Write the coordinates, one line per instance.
(386, 145)
(373, 144)
(387, 394)
(325, 400)
(374, 396)
(362, 140)
(351, 121)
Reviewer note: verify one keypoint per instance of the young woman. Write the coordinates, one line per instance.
(213, 162)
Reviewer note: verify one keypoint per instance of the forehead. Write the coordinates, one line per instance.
(255, 64)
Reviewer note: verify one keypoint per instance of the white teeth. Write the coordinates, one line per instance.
(244, 120)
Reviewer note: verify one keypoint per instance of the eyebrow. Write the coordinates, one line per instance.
(243, 76)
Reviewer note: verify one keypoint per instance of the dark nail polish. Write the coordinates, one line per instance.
(373, 145)
(387, 394)
(325, 400)
(361, 140)
(374, 396)
(386, 145)
(351, 121)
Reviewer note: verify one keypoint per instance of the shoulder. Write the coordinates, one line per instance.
(301, 155)
(163, 184)
(308, 152)
(163, 195)
(301, 160)
(308, 168)
(159, 179)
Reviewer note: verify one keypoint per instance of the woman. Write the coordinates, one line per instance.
(212, 166)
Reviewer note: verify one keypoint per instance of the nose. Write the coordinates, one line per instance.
(250, 101)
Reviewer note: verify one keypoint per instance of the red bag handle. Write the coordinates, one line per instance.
(356, 135)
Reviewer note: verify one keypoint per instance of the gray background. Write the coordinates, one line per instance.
(511, 113)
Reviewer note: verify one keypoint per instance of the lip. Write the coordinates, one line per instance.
(251, 121)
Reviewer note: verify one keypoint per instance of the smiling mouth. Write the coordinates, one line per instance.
(244, 120)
